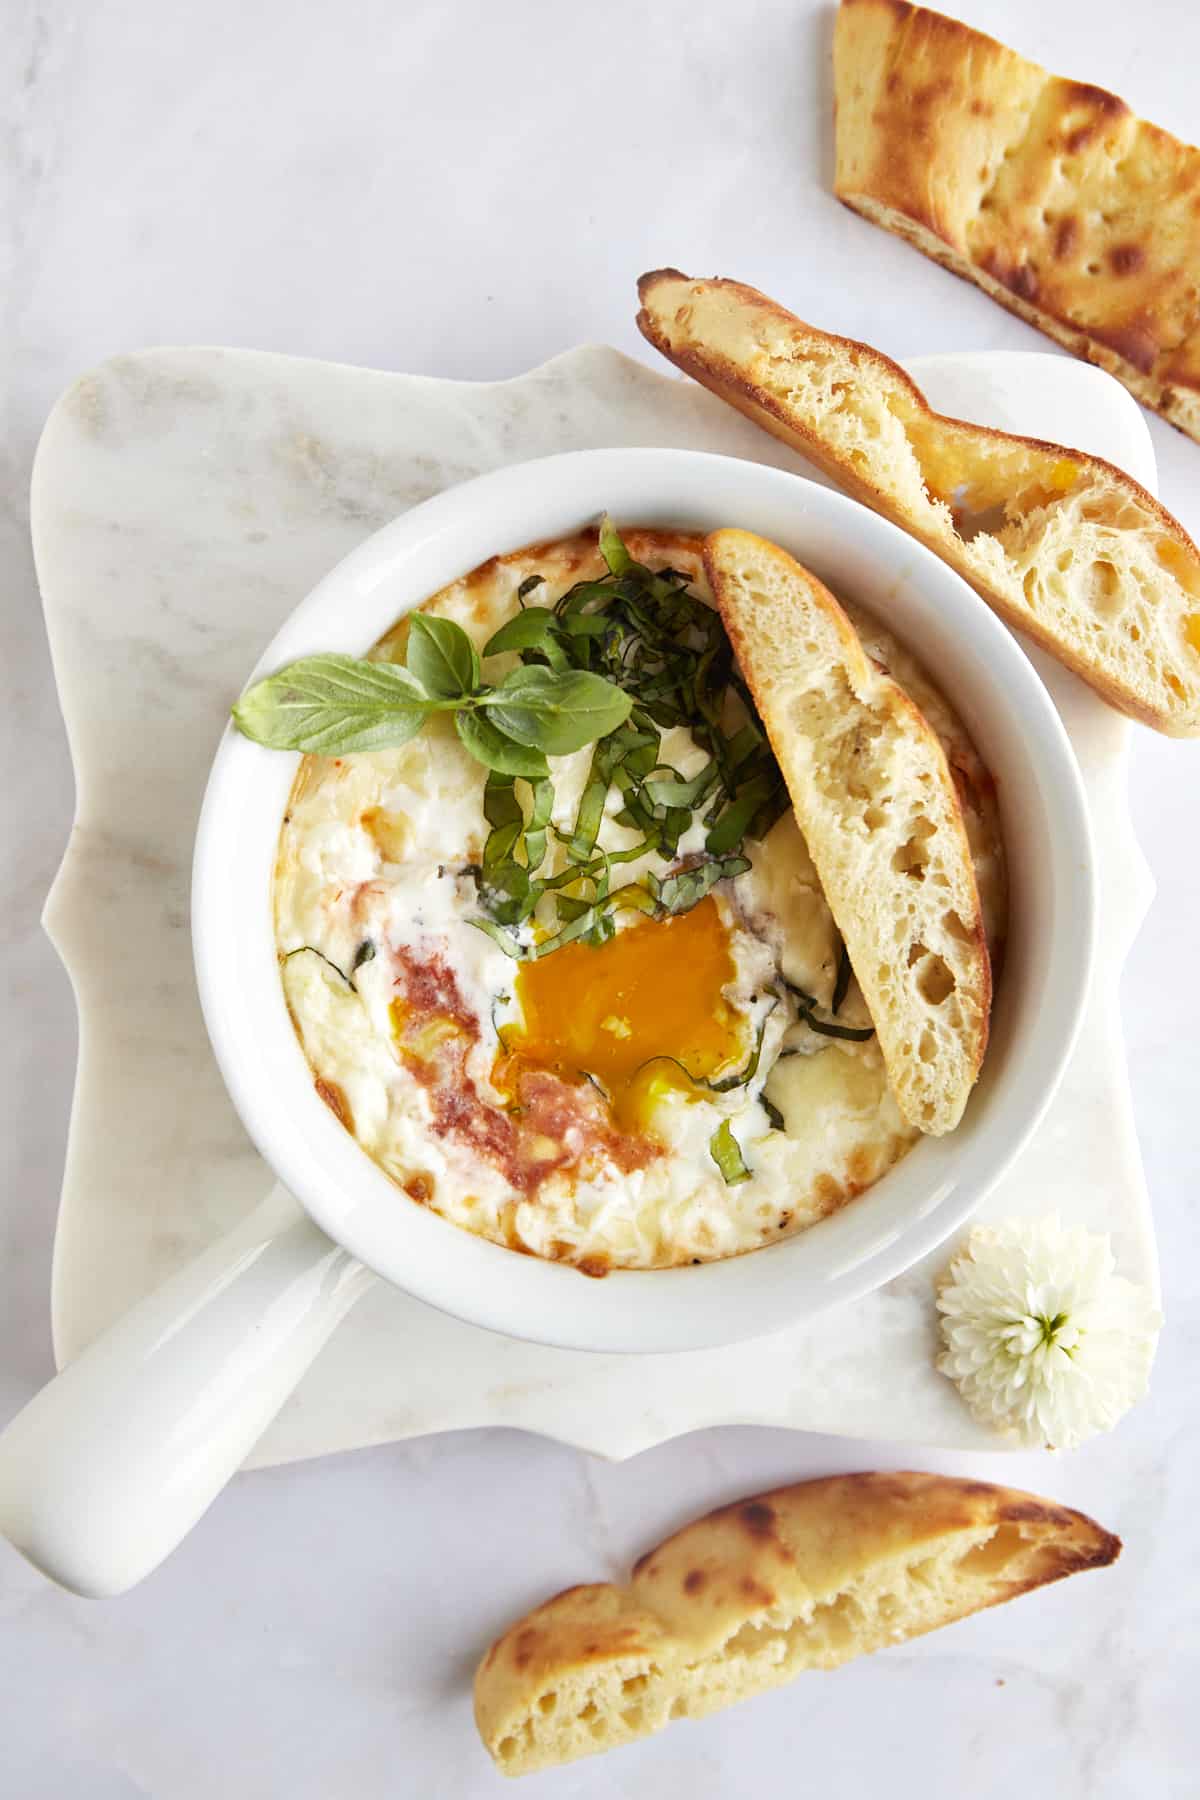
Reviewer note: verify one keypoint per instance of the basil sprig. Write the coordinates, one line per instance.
(335, 705)
(614, 663)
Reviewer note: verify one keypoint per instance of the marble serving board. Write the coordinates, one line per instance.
(183, 502)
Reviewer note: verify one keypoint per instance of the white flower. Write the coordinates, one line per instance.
(1045, 1342)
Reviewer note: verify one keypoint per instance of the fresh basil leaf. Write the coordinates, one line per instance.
(679, 893)
(333, 705)
(364, 954)
(556, 711)
(726, 1152)
(731, 1081)
(508, 892)
(442, 657)
(854, 1034)
(591, 806)
(677, 821)
(527, 630)
(678, 792)
(570, 906)
(572, 603)
(495, 750)
(579, 927)
(539, 820)
(581, 625)
(773, 808)
(742, 745)
(501, 844)
(633, 897)
(735, 821)
(500, 803)
(311, 950)
(745, 1075)
(509, 944)
(778, 1122)
(612, 548)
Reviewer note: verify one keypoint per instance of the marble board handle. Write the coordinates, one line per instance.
(108, 1468)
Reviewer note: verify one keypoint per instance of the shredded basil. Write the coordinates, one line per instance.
(726, 1152)
(807, 1006)
(644, 633)
(311, 950)
(728, 1083)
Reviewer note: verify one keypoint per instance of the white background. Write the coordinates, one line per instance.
(464, 189)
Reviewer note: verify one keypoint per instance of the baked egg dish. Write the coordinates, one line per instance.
(600, 1014)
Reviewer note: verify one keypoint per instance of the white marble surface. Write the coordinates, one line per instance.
(464, 190)
(157, 468)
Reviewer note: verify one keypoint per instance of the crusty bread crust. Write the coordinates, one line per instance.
(1063, 545)
(1048, 193)
(877, 805)
(805, 1577)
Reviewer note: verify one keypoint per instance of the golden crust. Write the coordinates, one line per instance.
(946, 447)
(1048, 193)
(806, 1576)
(826, 1533)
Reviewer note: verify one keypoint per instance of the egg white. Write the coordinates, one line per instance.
(373, 848)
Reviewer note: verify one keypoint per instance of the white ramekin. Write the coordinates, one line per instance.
(187, 1382)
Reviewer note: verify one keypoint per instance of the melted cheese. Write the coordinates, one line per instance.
(374, 851)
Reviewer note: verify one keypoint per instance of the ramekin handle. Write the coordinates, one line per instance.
(110, 1466)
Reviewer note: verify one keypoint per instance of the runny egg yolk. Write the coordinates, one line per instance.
(654, 990)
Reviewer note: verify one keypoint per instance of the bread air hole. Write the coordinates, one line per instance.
(968, 524)
(1104, 589)
(590, 1716)
(831, 1623)
(749, 1638)
(990, 1558)
(910, 858)
(547, 1702)
(935, 981)
(958, 928)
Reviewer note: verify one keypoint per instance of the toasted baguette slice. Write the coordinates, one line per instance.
(1050, 195)
(876, 802)
(806, 1577)
(1061, 544)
